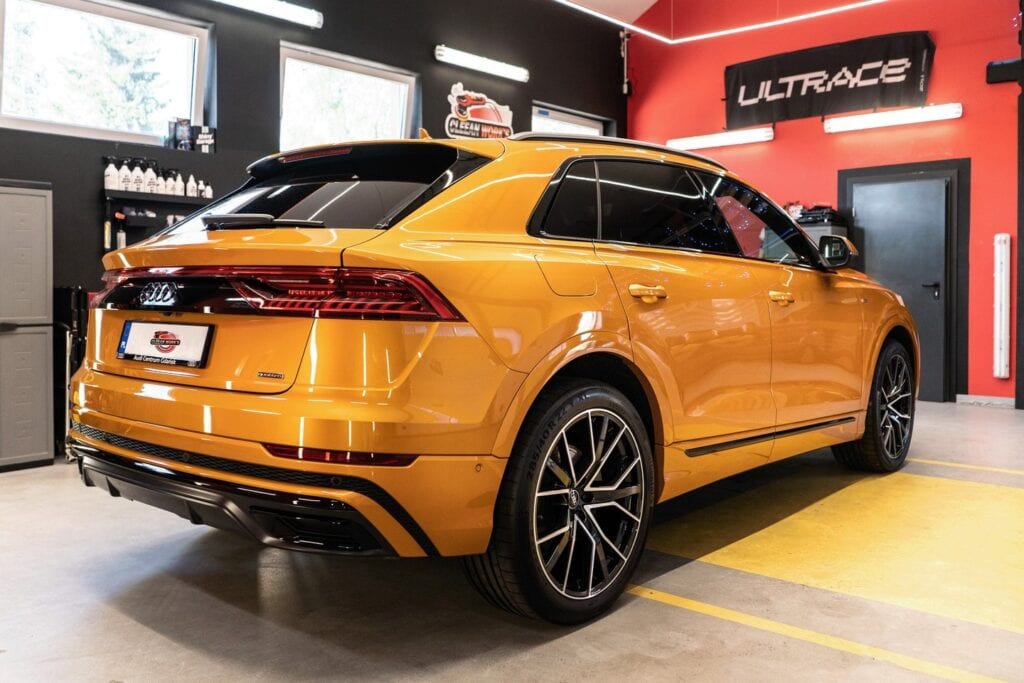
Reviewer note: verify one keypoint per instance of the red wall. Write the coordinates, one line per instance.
(678, 91)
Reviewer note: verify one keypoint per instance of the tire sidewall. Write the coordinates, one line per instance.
(890, 350)
(543, 598)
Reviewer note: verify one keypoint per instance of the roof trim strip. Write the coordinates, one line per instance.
(619, 142)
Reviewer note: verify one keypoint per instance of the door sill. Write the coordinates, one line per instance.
(777, 434)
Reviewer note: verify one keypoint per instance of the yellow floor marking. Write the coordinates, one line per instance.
(948, 547)
(984, 468)
(833, 642)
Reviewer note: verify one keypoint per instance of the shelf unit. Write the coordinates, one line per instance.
(163, 204)
(121, 196)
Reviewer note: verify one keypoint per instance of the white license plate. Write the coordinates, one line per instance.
(165, 344)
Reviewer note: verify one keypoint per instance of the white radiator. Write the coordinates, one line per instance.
(1001, 303)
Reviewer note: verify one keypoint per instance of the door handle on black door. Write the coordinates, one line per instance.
(936, 288)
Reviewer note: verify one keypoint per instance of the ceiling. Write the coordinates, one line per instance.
(624, 10)
(684, 21)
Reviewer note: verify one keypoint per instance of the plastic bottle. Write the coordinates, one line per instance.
(179, 185)
(161, 184)
(111, 180)
(191, 188)
(209, 191)
(124, 175)
(121, 238)
(150, 176)
(138, 176)
(201, 188)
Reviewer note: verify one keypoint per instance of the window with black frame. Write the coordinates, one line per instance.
(659, 205)
(573, 211)
(761, 230)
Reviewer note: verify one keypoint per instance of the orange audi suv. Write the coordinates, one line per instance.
(502, 350)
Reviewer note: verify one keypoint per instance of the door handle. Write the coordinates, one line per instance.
(936, 288)
(781, 298)
(647, 293)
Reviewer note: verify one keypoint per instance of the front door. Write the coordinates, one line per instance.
(903, 227)
(817, 352)
(817, 343)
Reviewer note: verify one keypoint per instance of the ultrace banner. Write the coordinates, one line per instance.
(882, 71)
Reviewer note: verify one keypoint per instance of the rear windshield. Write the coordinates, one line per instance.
(363, 186)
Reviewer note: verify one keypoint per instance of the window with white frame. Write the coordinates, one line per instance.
(99, 69)
(327, 97)
(548, 120)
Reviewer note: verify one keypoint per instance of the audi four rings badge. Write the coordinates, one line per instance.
(159, 294)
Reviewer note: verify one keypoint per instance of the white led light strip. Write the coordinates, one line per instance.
(280, 10)
(487, 65)
(733, 137)
(895, 117)
(725, 32)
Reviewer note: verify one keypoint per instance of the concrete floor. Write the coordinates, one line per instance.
(799, 571)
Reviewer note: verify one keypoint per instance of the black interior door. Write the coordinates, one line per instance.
(901, 230)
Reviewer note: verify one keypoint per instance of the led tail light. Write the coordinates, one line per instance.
(339, 457)
(364, 293)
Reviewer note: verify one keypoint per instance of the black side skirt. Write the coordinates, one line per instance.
(727, 445)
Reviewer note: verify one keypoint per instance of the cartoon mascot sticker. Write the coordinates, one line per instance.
(475, 115)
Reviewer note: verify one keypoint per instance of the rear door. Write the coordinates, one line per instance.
(693, 305)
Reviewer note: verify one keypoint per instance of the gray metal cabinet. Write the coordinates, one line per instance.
(26, 335)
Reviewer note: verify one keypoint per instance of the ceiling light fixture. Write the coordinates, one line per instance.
(725, 32)
(895, 117)
(487, 65)
(744, 136)
(280, 10)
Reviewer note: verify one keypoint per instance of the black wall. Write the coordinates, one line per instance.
(573, 61)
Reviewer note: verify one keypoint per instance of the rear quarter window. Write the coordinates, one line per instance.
(573, 211)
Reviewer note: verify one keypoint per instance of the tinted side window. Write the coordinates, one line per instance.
(573, 212)
(761, 230)
(659, 205)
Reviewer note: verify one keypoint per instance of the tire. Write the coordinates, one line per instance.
(889, 423)
(569, 527)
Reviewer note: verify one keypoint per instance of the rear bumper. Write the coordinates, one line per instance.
(438, 505)
(270, 517)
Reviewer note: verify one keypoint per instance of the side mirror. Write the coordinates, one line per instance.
(837, 251)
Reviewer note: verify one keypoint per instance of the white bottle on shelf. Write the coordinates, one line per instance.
(161, 184)
(201, 188)
(179, 186)
(191, 188)
(209, 192)
(124, 176)
(150, 179)
(121, 238)
(138, 179)
(111, 180)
